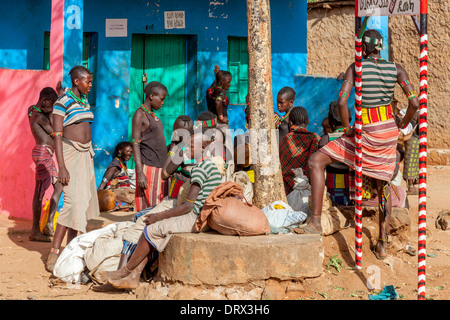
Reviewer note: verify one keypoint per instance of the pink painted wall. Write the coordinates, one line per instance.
(18, 90)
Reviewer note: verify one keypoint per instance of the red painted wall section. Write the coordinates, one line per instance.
(19, 89)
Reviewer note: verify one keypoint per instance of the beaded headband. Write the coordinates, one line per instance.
(377, 42)
(208, 123)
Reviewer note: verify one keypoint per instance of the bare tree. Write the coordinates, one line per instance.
(268, 186)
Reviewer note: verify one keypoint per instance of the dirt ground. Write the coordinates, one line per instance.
(23, 276)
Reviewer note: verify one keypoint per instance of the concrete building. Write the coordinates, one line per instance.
(125, 44)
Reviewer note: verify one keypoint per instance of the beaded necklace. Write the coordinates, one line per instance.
(149, 112)
(35, 108)
(124, 167)
(82, 101)
(285, 116)
(375, 59)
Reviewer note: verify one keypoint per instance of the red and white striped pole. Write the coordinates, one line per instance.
(423, 99)
(359, 30)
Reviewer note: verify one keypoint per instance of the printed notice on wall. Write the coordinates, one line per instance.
(174, 20)
(116, 28)
(388, 7)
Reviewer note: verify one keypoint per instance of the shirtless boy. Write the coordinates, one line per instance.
(42, 154)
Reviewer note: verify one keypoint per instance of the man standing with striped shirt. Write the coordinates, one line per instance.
(379, 133)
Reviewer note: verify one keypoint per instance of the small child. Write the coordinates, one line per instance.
(216, 97)
(297, 146)
(42, 154)
(285, 103)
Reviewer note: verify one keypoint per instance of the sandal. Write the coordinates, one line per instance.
(377, 254)
(47, 231)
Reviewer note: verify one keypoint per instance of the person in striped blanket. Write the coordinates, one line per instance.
(379, 132)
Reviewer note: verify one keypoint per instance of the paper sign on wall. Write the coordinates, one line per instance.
(174, 20)
(116, 28)
(388, 7)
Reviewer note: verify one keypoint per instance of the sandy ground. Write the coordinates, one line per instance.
(23, 276)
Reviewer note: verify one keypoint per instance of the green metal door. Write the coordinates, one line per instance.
(159, 58)
(238, 66)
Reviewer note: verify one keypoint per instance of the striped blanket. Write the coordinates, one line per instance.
(379, 143)
(295, 149)
(42, 156)
(156, 189)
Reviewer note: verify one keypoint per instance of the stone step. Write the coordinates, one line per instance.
(210, 258)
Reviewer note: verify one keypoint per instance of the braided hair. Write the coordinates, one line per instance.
(334, 117)
(299, 117)
(187, 121)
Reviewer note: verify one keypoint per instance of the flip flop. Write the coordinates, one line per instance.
(41, 238)
(306, 230)
(47, 231)
(377, 255)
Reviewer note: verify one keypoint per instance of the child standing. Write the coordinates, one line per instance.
(285, 103)
(149, 148)
(216, 97)
(42, 154)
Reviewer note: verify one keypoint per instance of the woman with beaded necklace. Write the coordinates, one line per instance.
(149, 148)
(116, 177)
(72, 120)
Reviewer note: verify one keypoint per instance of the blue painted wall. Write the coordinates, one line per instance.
(315, 93)
(209, 23)
(22, 25)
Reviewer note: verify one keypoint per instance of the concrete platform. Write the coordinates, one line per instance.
(215, 259)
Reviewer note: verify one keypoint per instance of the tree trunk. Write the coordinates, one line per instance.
(268, 186)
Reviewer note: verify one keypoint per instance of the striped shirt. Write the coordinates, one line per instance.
(208, 177)
(378, 82)
(72, 111)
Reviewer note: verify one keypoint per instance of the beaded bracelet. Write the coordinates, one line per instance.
(404, 83)
(56, 134)
(343, 94)
(135, 141)
(166, 174)
(345, 80)
(348, 130)
(411, 94)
